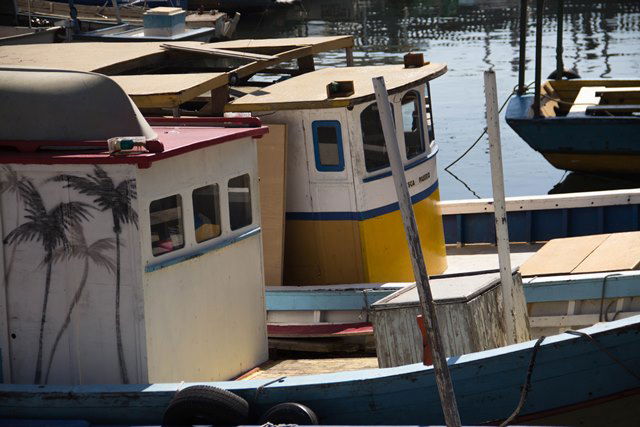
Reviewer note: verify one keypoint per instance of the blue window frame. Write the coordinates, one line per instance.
(327, 145)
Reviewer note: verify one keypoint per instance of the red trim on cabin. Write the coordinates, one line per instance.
(319, 330)
(176, 137)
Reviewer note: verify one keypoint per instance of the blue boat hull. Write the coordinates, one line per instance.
(584, 144)
(569, 372)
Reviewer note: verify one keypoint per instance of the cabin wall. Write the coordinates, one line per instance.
(204, 303)
(79, 320)
(384, 247)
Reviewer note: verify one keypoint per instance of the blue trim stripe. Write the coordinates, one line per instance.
(201, 250)
(360, 216)
(407, 167)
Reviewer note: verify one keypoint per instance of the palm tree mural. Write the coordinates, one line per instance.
(9, 184)
(49, 227)
(78, 248)
(115, 198)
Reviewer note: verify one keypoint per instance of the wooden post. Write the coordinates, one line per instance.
(523, 47)
(559, 64)
(500, 210)
(349, 53)
(538, 68)
(443, 377)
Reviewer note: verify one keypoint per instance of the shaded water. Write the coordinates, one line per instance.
(601, 40)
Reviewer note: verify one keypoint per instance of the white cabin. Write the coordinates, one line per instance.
(138, 266)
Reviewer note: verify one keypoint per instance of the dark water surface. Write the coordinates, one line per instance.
(601, 40)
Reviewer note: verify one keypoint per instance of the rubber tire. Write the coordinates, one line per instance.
(202, 404)
(567, 74)
(290, 413)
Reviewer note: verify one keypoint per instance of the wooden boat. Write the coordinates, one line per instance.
(26, 35)
(341, 219)
(591, 378)
(578, 125)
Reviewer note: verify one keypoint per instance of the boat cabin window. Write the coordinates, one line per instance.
(412, 125)
(327, 145)
(427, 103)
(239, 201)
(375, 151)
(167, 232)
(206, 212)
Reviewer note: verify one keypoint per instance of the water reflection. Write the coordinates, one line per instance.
(601, 40)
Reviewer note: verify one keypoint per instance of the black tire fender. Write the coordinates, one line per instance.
(290, 413)
(202, 404)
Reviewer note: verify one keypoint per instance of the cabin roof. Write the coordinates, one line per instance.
(54, 105)
(175, 140)
(309, 91)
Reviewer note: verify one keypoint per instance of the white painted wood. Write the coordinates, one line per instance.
(575, 321)
(553, 201)
(443, 378)
(497, 181)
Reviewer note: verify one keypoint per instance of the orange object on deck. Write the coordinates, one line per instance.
(426, 346)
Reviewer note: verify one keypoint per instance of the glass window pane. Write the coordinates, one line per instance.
(375, 151)
(327, 140)
(206, 212)
(167, 233)
(239, 201)
(429, 112)
(412, 125)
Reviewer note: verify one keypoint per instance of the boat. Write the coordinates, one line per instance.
(26, 35)
(104, 22)
(590, 377)
(342, 224)
(577, 125)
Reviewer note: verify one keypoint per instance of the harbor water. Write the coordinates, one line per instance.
(601, 40)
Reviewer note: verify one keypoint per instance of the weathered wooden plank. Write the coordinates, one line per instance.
(205, 49)
(620, 251)
(561, 256)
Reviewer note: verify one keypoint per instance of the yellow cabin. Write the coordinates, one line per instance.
(343, 224)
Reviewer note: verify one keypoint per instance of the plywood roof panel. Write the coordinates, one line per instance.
(168, 90)
(320, 44)
(309, 90)
(620, 251)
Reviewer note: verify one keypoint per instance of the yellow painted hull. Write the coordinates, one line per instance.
(603, 163)
(366, 251)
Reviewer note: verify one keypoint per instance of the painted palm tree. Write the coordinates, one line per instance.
(78, 248)
(49, 227)
(10, 184)
(115, 198)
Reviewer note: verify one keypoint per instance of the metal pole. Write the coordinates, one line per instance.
(523, 47)
(559, 64)
(497, 181)
(538, 80)
(443, 377)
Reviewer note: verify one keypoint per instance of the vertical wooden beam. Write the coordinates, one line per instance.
(538, 77)
(219, 98)
(5, 318)
(497, 181)
(523, 47)
(306, 64)
(349, 53)
(560, 18)
(443, 377)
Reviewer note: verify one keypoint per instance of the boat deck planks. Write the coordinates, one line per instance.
(168, 90)
(309, 90)
(292, 367)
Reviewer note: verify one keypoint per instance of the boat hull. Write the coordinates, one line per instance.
(583, 143)
(570, 374)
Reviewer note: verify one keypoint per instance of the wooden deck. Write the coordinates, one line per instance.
(293, 367)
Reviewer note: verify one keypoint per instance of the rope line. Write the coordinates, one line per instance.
(527, 383)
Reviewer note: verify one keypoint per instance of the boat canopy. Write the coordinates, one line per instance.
(90, 107)
(309, 90)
